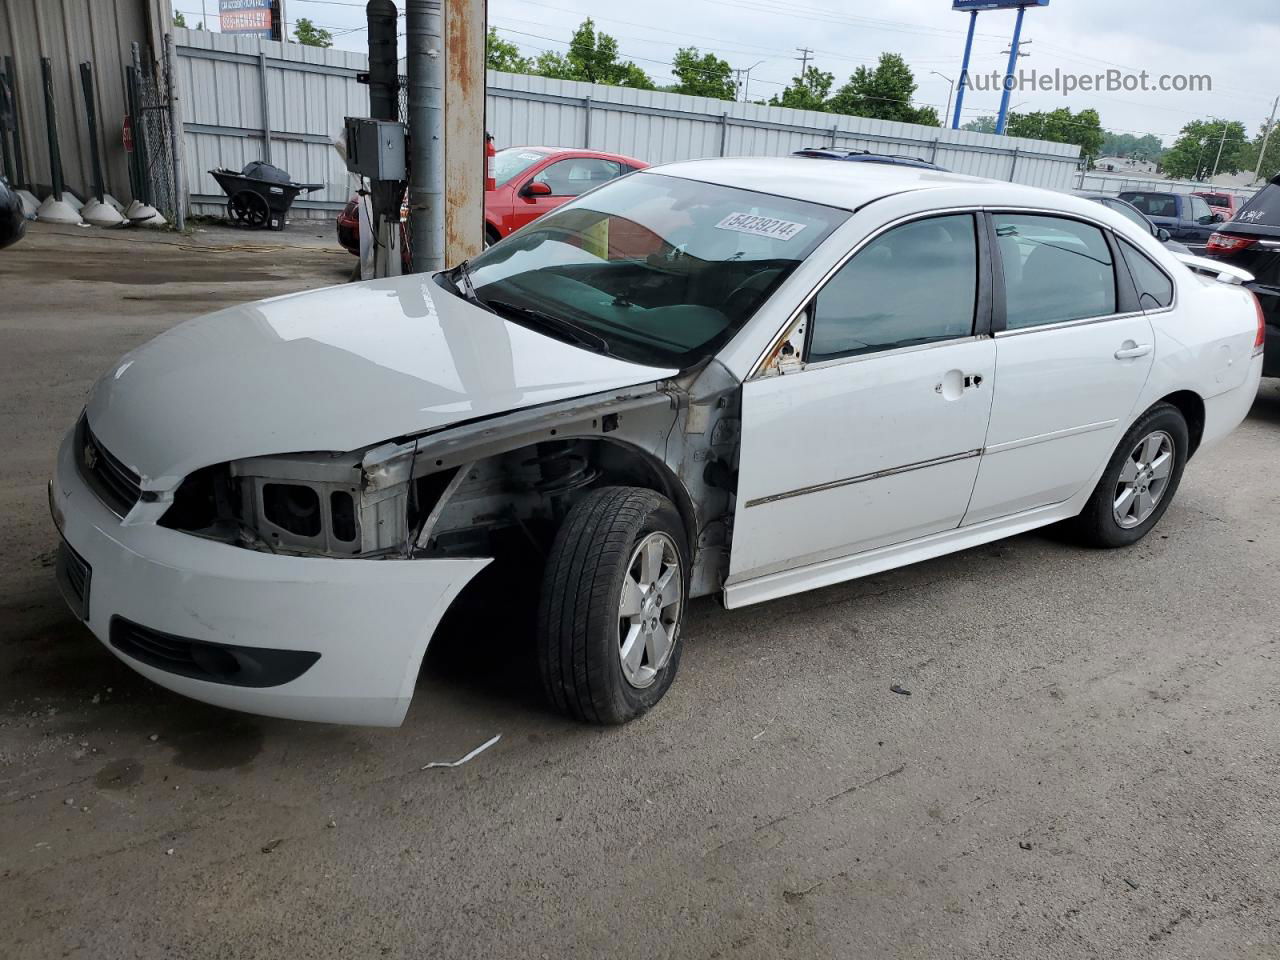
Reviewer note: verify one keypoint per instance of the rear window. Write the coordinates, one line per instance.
(1154, 204)
(1217, 199)
(1263, 208)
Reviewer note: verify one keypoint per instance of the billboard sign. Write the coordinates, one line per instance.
(970, 5)
(253, 18)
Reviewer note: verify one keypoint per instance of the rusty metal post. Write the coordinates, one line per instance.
(464, 141)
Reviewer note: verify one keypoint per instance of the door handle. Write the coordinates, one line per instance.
(1130, 350)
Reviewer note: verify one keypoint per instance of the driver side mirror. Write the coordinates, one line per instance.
(1218, 218)
(1163, 235)
(535, 188)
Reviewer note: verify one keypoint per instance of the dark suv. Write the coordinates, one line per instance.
(1252, 242)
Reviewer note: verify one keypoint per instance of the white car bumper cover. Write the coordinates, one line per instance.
(369, 620)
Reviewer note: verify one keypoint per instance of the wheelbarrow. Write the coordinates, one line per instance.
(260, 195)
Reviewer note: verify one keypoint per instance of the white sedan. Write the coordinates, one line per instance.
(744, 377)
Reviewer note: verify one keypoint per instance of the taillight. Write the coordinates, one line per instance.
(1261, 337)
(1226, 243)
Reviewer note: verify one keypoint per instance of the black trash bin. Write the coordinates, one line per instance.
(260, 194)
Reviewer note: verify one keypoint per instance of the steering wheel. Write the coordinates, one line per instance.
(737, 300)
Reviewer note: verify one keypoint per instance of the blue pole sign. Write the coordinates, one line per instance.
(973, 8)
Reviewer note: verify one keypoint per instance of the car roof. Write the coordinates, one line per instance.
(852, 185)
(580, 152)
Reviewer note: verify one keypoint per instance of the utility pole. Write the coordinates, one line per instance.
(805, 54)
(744, 79)
(1266, 135)
(424, 44)
(1014, 52)
(1221, 143)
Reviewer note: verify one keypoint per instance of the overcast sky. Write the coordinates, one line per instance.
(1234, 42)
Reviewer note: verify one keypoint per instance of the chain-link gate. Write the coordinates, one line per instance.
(151, 162)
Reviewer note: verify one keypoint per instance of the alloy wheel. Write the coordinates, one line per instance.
(649, 609)
(1144, 477)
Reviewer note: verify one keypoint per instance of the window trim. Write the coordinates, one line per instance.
(1173, 299)
(981, 306)
(1000, 326)
(623, 170)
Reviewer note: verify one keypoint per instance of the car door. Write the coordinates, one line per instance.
(1200, 221)
(1073, 352)
(875, 438)
(565, 179)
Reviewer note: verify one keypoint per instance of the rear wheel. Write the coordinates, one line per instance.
(613, 600)
(1139, 482)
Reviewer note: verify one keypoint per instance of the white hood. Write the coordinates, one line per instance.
(334, 369)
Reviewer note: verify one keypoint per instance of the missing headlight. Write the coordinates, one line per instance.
(293, 508)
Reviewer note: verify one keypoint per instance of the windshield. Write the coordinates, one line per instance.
(513, 161)
(655, 269)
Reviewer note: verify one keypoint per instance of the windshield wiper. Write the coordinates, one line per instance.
(468, 288)
(549, 321)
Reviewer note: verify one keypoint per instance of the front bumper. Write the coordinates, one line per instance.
(369, 620)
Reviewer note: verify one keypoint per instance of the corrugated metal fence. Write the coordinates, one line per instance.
(1115, 182)
(237, 90)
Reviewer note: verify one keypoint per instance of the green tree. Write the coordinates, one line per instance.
(703, 76)
(592, 57)
(178, 19)
(1083, 128)
(1271, 162)
(883, 93)
(1146, 147)
(1194, 153)
(309, 35)
(504, 55)
(986, 124)
(808, 91)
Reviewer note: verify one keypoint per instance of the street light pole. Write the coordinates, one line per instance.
(1221, 143)
(951, 88)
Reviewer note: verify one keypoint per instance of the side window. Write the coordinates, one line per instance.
(1155, 289)
(1054, 270)
(917, 283)
(1200, 211)
(568, 178)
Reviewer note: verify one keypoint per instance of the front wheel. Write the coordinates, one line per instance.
(613, 599)
(1139, 482)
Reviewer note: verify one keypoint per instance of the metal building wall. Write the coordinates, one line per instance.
(69, 32)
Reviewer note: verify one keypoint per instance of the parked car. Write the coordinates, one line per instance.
(13, 225)
(743, 377)
(1186, 216)
(1252, 242)
(1126, 209)
(1219, 202)
(866, 156)
(529, 181)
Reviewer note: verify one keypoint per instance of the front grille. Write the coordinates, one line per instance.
(214, 662)
(72, 573)
(115, 484)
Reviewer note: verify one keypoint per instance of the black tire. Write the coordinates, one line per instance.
(579, 627)
(1096, 526)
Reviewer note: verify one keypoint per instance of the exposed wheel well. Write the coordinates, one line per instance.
(1191, 406)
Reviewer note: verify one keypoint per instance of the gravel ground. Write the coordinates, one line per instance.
(1086, 765)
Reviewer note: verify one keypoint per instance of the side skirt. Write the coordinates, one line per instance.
(828, 572)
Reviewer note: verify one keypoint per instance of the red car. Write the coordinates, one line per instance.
(530, 182)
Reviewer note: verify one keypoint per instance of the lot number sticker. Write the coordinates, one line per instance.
(760, 226)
